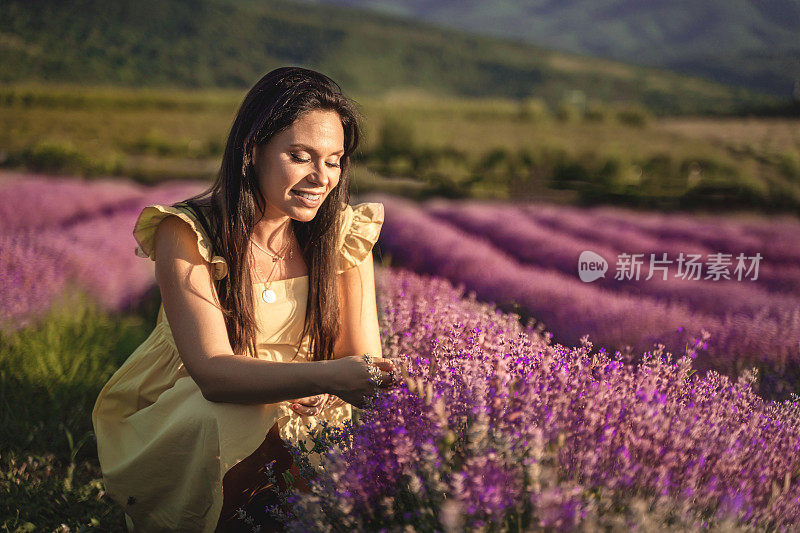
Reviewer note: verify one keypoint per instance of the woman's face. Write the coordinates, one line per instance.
(305, 158)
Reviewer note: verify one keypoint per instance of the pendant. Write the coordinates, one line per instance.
(268, 295)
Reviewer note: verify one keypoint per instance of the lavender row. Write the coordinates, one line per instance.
(31, 202)
(534, 243)
(572, 309)
(84, 240)
(777, 236)
(779, 248)
(496, 428)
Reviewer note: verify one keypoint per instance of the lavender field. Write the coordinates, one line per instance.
(498, 429)
(501, 424)
(526, 258)
(57, 231)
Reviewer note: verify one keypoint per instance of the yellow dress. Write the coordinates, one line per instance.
(163, 448)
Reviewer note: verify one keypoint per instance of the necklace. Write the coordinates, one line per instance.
(268, 295)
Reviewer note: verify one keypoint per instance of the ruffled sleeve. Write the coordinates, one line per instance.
(145, 229)
(360, 230)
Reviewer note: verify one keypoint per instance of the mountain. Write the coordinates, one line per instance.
(750, 43)
(231, 43)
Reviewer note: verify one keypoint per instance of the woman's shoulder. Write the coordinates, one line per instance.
(361, 227)
(151, 216)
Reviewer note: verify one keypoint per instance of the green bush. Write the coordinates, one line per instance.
(789, 163)
(720, 185)
(155, 143)
(571, 175)
(214, 147)
(636, 116)
(442, 161)
(596, 112)
(51, 156)
(534, 110)
(52, 373)
(660, 173)
(567, 112)
(396, 137)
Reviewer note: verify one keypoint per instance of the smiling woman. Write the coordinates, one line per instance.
(268, 306)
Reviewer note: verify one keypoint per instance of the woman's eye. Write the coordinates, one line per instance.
(298, 158)
(334, 165)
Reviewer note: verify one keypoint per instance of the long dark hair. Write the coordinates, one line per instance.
(229, 208)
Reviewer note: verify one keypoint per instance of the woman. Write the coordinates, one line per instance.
(268, 307)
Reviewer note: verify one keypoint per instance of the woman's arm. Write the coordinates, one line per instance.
(198, 327)
(359, 332)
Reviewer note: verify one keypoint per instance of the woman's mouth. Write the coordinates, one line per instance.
(309, 200)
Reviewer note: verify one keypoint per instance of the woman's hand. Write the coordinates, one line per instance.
(350, 377)
(311, 405)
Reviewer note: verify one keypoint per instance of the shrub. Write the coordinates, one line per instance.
(534, 110)
(636, 116)
(567, 112)
(789, 163)
(155, 143)
(53, 156)
(596, 112)
(396, 137)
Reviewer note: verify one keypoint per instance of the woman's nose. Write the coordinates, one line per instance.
(320, 174)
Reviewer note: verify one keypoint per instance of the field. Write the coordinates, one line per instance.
(588, 273)
(420, 146)
(499, 426)
(525, 257)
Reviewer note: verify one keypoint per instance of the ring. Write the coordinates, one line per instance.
(393, 375)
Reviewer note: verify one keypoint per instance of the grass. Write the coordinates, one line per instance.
(52, 372)
(41, 493)
(50, 376)
(422, 145)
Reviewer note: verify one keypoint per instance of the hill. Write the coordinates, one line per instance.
(750, 43)
(230, 43)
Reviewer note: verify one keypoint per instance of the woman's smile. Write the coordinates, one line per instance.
(299, 167)
(309, 200)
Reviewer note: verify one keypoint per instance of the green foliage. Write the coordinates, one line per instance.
(419, 145)
(396, 138)
(567, 112)
(636, 116)
(171, 43)
(534, 110)
(62, 158)
(52, 96)
(41, 493)
(156, 143)
(789, 164)
(760, 50)
(53, 157)
(596, 112)
(51, 374)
